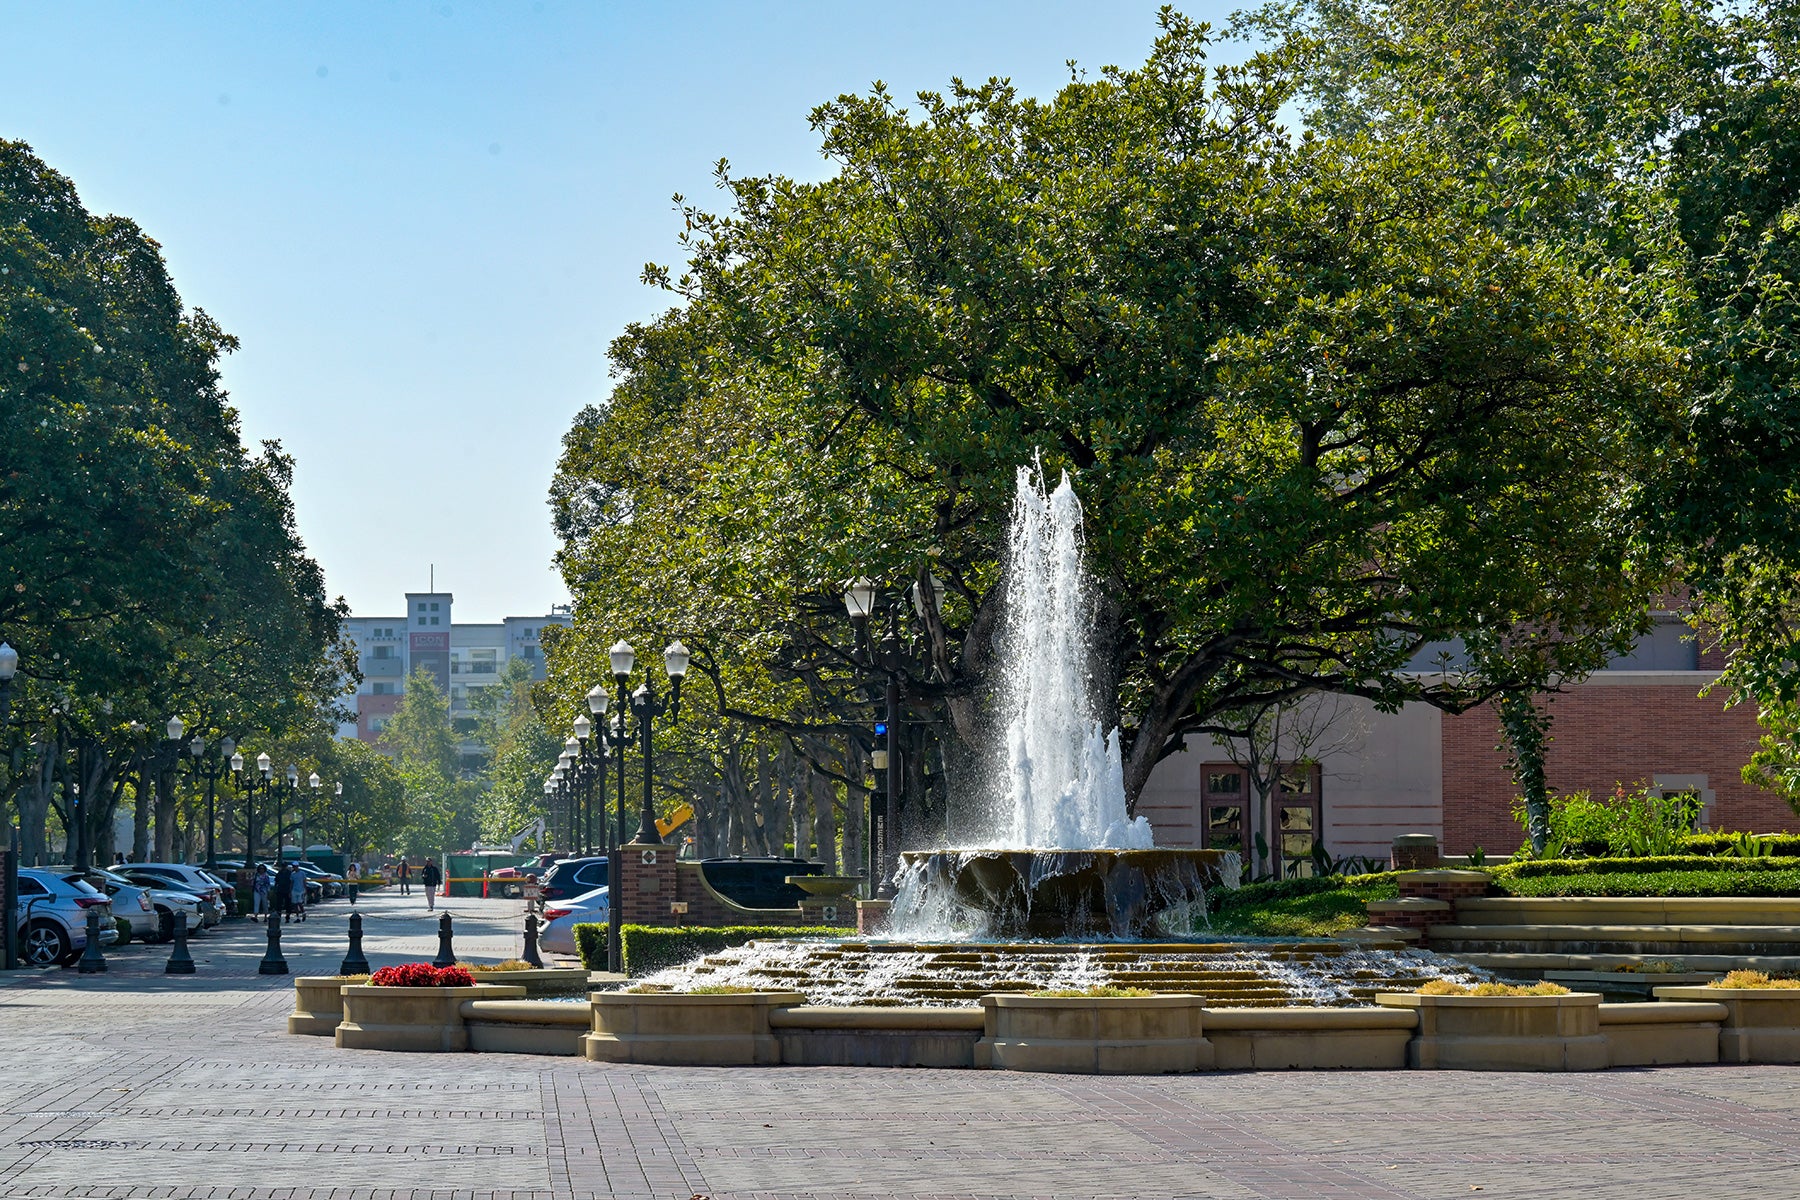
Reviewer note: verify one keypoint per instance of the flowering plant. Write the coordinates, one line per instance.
(421, 975)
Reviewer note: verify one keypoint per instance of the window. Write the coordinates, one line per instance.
(384, 689)
(421, 606)
(434, 620)
(31, 887)
(377, 724)
(434, 608)
(528, 652)
(383, 652)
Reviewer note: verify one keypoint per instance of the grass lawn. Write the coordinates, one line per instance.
(1300, 907)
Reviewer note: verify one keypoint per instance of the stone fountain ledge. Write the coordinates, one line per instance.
(1157, 1034)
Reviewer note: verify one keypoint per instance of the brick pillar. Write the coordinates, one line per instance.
(646, 884)
(871, 916)
(1448, 886)
(1414, 852)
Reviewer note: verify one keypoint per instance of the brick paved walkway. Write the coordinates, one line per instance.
(138, 1085)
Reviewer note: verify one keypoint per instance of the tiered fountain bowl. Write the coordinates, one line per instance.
(1072, 893)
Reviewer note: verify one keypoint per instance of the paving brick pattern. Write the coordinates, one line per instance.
(138, 1085)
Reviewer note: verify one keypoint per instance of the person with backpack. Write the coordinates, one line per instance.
(430, 876)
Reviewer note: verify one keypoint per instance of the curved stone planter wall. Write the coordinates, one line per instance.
(1309, 1039)
(1504, 1033)
(860, 1036)
(728, 1030)
(319, 1003)
(1094, 1035)
(540, 981)
(1762, 1025)
(525, 1026)
(1653, 1034)
(411, 1018)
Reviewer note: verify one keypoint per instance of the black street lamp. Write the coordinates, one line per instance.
(313, 781)
(645, 707)
(889, 658)
(9, 666)
(292, 793)
(208, 768)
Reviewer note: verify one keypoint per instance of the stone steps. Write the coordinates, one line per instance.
(1627, 939)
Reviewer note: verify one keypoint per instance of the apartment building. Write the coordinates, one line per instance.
(462, 658)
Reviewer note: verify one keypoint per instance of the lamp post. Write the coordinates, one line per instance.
(265, 772)
(313, 781)
(293, 793)
(645, 707)
(9, 666)
(208, 769)
(859, 602)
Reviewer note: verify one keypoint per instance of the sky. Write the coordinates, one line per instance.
(426, 220)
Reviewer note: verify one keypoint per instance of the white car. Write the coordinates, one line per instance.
(557, 936)
(149, 909)
(181, 877)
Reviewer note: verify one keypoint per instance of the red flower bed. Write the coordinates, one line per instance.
(421, 975)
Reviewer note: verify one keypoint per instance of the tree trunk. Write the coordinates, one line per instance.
(34, 803)
(1526, 728)
(767, 823)
(856, 807)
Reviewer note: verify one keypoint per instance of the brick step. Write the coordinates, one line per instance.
(1534, 963)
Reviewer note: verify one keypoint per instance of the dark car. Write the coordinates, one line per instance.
(573, 876)
(758, 882)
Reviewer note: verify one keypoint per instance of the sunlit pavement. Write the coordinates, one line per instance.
(138, 1084)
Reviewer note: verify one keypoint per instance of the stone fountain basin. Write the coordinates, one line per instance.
(825, 885)
(1069, 893)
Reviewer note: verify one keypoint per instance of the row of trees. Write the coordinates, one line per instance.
(1491, 351)
(149, 562)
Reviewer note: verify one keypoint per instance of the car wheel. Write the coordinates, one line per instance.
(44, 944)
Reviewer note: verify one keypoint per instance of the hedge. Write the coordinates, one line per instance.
(1254, 895)
(1541, 868)
(1783, 881)
(651, 948)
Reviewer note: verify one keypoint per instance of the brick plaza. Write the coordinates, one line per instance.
(134, 1084)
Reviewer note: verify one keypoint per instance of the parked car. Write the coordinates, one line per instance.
(149, 911)
(573, 876)
(53, 918)
(181, 877)
(557, 936)
(169, 898)
(329, 885)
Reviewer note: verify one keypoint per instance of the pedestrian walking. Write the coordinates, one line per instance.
(297, 892)
(259, 893)
(405, 876)
(430, 876)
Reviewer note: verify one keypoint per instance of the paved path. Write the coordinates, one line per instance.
(134, 1084)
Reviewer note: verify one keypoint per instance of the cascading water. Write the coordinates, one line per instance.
(1064, 781)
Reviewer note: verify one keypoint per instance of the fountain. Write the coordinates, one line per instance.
(1065, 858)
(1065, 889)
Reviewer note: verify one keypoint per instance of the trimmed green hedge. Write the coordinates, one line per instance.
(1542, 868)
(650, 948)
(1785, 845)
(1756, 881)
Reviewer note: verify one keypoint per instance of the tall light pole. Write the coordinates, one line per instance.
(293, 792)
(645, 706)
(208, 769)
(313, 781)
(9, 666)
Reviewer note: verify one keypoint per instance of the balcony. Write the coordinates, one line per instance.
(382, 668)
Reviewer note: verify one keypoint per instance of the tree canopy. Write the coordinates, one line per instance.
(1328, 405)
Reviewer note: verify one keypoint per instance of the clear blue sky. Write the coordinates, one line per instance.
(425, 221)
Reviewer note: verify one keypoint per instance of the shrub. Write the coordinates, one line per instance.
(421, 975)
(1632, 821)
(1639, 866)
(1746, 880)
(1742, 845)
(651, 948)
(511, 964)
(1098, 990)
(124, 928)
(1753, 979)
(1449, 987)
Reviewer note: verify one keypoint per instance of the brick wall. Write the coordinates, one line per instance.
(1604, 734)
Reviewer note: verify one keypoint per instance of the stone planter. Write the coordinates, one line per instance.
(1762, 1025)
(1094, 1035)
(540, 981)
(726, 1030)
(1504, 1033)
(319, 1003)
(525, 1026)
(1309, 1039)
(411, 1018)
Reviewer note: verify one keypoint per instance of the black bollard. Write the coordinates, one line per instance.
(92, 961)
(180, 961)
(272, 962)
(354, 962)
(531, 934)
(446, 957)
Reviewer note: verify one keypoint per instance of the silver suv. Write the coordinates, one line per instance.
(53, 918)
